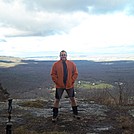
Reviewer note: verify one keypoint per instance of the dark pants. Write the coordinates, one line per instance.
(59, 92)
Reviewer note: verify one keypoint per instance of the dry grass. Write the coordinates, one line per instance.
(36, 104)
(125, 122)
(22, 130)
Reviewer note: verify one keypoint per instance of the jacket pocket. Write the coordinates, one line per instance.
(59, 83)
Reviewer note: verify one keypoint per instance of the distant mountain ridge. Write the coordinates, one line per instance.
(10, 61)
(18, 60)
(85, 57)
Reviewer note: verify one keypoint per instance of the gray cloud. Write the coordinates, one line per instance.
(2, 40)
(109, 6)
(57, 5)
(46, 17)
(95, 6)
(36, 22)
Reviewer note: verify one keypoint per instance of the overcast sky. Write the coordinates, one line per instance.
(43, 27)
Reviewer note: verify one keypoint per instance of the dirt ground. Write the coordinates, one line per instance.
(116, 122)
(95, 119)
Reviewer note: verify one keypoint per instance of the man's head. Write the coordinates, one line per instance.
(63, 55)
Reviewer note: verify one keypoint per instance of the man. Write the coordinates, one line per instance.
(64, 73)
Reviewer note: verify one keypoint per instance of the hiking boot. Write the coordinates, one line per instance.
(75, 112)
(55, 114)
(55, 118)
(76, 116)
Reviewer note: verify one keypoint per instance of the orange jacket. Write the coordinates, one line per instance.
(57, 74)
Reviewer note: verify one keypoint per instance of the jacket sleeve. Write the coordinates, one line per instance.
(75, 73)
(54, 73)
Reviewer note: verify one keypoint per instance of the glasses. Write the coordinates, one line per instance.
(63, 55)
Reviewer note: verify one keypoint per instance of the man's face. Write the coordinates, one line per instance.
(63, 56)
